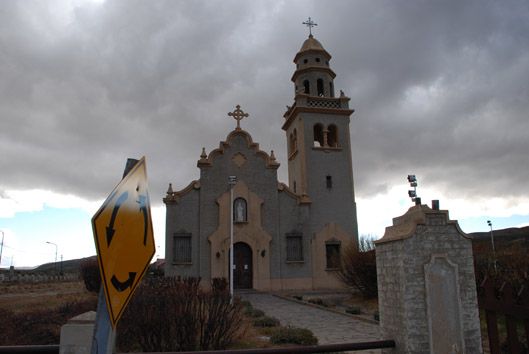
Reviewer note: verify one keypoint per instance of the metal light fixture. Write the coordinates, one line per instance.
(412, 193)
(56, 248)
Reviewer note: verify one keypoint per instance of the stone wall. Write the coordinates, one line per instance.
(427, 291)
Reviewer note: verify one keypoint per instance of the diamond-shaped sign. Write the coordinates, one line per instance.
(124, 239)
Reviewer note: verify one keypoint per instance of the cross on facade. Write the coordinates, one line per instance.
(310, 24)
(238, 114)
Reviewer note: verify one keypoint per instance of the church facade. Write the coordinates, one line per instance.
(284, 236)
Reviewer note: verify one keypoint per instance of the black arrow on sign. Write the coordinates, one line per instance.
(122, 286)
(110, 228)
(143, 209)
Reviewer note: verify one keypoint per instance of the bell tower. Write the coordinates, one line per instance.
(320, 166)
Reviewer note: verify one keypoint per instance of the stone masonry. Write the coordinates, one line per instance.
(426, 285)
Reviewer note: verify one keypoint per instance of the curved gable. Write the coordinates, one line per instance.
(270, 160)
(173, 197)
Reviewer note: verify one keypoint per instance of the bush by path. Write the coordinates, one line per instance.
(169, 314)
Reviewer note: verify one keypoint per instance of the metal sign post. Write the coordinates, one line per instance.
(125, 246)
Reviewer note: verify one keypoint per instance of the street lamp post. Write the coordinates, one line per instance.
(1, 247)
(493, 248)
(56, 249)
(232, 180)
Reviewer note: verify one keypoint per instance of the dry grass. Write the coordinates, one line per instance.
(34, 313)
(368, 306)
(26, 297)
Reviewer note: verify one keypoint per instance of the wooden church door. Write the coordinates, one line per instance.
(242, 272)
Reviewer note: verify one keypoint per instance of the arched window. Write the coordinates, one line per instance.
(306, 85)
(331, 89)
(318, 135)
(240, 213)
(332, 136)
(320, 87)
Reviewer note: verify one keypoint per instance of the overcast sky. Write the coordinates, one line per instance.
(440, 89)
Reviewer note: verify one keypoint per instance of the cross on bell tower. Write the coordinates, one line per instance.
(238, 114)
(309, 23)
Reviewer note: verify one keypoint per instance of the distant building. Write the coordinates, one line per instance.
(285, 237)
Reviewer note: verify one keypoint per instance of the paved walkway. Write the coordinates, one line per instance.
(327, 326)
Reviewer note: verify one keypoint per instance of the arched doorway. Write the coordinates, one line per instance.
(242, 270)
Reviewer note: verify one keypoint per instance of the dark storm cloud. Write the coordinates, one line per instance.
(440, 89)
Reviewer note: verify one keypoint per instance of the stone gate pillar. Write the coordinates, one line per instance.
(426, 285)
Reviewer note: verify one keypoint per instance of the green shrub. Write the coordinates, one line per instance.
(317, 301)
(354, 310)
(254, 312)
(266, 321)
(293, 335)
(246, 304)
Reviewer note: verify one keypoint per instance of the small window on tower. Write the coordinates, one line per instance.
(332, 136)
(306, 85)
(328, 181)
(318, 135)
(305, 61)
(320, 87)
(317, 60)
(293, 142)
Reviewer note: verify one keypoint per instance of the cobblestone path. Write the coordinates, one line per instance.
(327, 326)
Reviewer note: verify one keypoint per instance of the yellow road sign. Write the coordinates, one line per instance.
(124, 239)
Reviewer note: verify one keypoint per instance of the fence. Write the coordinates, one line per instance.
(305, 349)
(502, 304)
(21, 277)
(48, 349)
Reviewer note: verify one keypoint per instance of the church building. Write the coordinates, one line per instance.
(285, 236)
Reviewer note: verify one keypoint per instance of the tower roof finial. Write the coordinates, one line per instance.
(309, 23)
(238, 114)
